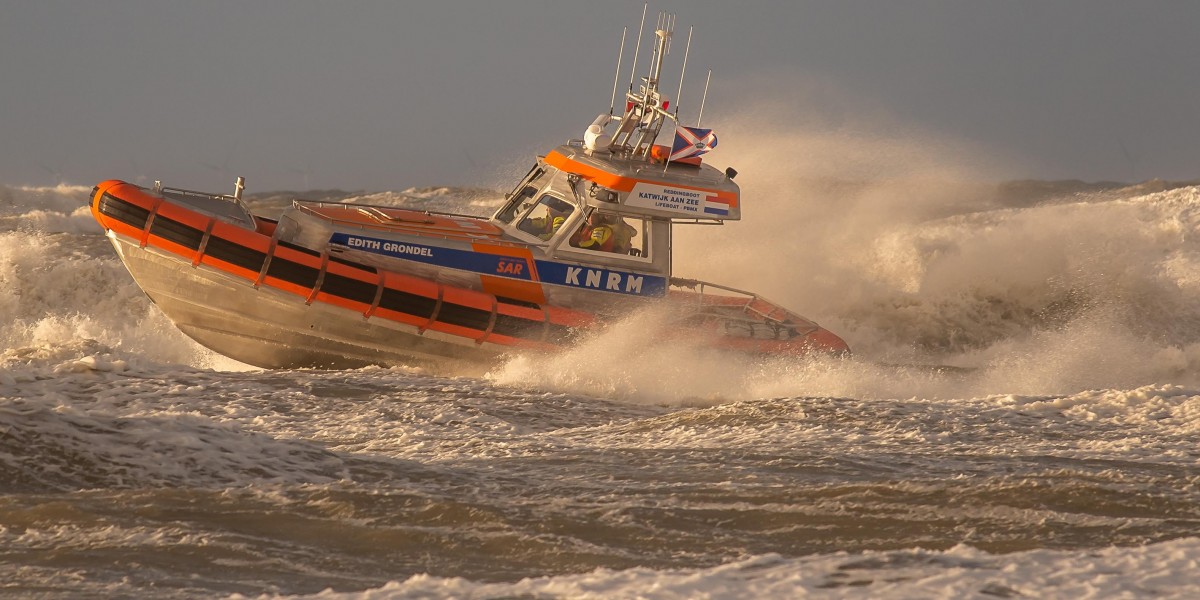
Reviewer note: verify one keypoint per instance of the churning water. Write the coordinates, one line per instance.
(1020, 419)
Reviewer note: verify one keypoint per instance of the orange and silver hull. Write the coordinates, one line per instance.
(227, 280)
(245, 295)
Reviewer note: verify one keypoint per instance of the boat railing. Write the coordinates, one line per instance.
(310, 207)
(754, 304)
(305, 204)
(196, 194)
(183, 195)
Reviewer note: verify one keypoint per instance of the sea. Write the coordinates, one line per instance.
(1019, 419)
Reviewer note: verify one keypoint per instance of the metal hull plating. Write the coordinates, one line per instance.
(267, 328)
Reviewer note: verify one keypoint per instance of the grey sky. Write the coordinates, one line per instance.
(387, 95)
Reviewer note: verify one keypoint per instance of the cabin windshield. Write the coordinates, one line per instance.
(521, 198)
(612, 233)
(546, 217)
(518, 205)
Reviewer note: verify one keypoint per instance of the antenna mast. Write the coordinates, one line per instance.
(645, 110)
(703, 98)
(637, 49)
(679, 96)
(682, 72)
(612, 105)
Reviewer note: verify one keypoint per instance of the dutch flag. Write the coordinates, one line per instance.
(715, 205)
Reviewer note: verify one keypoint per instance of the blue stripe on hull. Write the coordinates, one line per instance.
(549, 272)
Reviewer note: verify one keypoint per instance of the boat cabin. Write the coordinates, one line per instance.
(582, 205)
(589, 225)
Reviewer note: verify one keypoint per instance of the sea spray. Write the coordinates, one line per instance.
(61, 286)
(900, 244)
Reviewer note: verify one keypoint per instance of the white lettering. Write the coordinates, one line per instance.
(633, 284)
(593, 278)
(396, 248)
(573, 275)
(614, 282)
(681, 193)
(362, 243)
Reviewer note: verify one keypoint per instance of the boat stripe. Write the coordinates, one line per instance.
(517, 327)
(350, 263)
(129, 214)
(293, 272)
(236, 254)
(299, 248)
(174, 231)
(516, 302)
(465, 316)
(349, 288)
(407, 303)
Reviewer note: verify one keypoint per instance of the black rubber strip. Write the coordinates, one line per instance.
(346, 287)
(235, 254)
(293, 272)
(129, 214)
(407, 303)
(515, 302)
(350, 263)
(299, 248)
(174, 231)
(465, 316)
(517, 327)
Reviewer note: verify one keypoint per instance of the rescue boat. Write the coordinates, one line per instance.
(584, 237)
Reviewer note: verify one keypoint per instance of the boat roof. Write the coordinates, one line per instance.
(639, 186)
(629, 172)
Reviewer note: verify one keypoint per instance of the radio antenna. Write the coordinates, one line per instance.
(705, 97)
(638, 48)
(682, 72)
(612, 105)
(666, 21)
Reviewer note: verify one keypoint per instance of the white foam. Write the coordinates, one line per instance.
(1158, 570)
(53, 292)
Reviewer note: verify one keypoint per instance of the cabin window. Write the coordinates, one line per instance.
(608, 232)
(518, 204)
(547, 217)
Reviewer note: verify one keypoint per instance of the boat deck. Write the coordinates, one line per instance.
(399, 220)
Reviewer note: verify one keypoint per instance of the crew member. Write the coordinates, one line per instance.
(595, 234)
(545, 227)
(623, 234)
